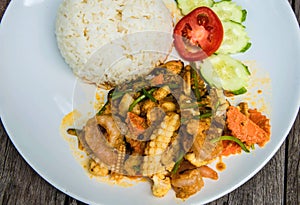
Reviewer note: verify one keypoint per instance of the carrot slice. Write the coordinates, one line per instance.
(230, 147)
(262, 121)
(136, 124)
(245, 129)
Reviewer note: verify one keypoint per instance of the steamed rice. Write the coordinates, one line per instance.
(104, 41)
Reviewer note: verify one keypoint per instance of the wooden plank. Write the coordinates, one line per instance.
(261, 188)
(3, 5)
(19, 183)
(296, 7)
(292, 181)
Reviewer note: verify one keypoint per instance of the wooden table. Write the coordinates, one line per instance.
(276, 183)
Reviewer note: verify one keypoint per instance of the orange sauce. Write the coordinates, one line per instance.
(220, 166)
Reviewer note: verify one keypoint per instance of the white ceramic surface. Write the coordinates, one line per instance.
(36, 91)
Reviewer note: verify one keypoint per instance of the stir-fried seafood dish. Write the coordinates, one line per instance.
(168, 127)
(162, 121)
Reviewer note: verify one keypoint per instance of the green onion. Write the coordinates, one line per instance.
(118, 94)
(192, 105)
(196, 84)
(198, 117)
(173, 85)
(148, 95)
(101, 111)
(139, 99)
(176, 166)
(231, 138)
(205, 115)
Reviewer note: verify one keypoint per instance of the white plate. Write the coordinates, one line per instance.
(36, 89)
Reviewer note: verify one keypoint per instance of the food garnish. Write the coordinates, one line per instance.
(235, 39)
(198, 34)
(228, 10)
(223, 71)
(186, 6)
(229, 37)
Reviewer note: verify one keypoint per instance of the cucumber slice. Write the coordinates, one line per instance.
(235, 40)
(228, 10)
(224, 72)
(186, 6)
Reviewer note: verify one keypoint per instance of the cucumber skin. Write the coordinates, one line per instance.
(241, 91)
(233, 7)
(242, 28)
(182, 5)
(244, 15)
(207, 74)
(249, 44)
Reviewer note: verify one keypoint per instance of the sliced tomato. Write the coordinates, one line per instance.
(198, 34)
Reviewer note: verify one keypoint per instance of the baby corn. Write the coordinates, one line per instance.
(160, 140)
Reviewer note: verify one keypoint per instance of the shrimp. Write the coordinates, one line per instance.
(114, 136)
(187, 183)
(208, 172)
(95, 144)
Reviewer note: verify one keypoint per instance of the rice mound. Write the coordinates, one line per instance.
(110, 41)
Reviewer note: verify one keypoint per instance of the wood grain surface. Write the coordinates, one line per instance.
(276, 183)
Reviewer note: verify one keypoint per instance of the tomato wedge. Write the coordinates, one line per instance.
(198, 34)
